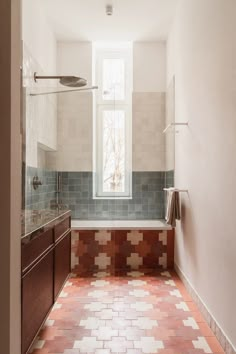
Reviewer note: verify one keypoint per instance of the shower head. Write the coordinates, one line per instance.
(70, 81)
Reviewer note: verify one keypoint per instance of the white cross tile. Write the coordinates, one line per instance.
(105, 333)
(74, 259)
(182, 306)
(139, 293)
(175, 293)
(100, 283)
(202, 344)
(57, 306)
(107, 314)
(68, 283)
(63, 294)
(95, 306)
(163, 260)
(137, 282)
(88, 344)
(166, 274)
(103, 237)
(170, 282)
(92, 323)
(144, 323)
(134, 237)
(190, 322)
(49, 323)
(141, 306)
(98, 293)
(163, 238)
(134, 261)
(38, 344)
(102, 260)
(135, 274)
(149, 345)
(101, 274)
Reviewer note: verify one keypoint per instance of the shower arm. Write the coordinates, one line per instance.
(64, 91)
(48, 77)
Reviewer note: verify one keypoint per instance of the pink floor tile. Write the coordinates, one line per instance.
(125, 314)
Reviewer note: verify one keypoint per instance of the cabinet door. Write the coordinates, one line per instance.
(62, 267)
(37, 298)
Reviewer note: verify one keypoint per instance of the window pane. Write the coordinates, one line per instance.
(113, 151)
(113, 82)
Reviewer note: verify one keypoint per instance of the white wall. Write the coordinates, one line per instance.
(38, 36)
(75, 123)
(149, 86)
(148, 123)
(39, 55)
(75, 58)
(201, 54)
(149, 66)
(75, 127)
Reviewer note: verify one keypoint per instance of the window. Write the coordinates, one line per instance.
(113, 118)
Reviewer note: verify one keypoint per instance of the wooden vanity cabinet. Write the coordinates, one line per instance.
(33, 250)
(37, 298)
(45, 263)
(62, 262)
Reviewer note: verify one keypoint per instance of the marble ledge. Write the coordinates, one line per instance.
(119, 225)
(35, 221)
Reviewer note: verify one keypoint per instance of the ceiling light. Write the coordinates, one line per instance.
(109, 10)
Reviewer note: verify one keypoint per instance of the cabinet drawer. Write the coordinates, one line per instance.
(61, 228)
(62, 256)
(37, 298)
(34, 248)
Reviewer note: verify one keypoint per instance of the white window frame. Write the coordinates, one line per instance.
(103, 105)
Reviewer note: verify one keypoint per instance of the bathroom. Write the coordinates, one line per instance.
(125, 192)
(67, 144)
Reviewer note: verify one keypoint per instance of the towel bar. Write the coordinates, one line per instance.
(175, 190)
(173, 124)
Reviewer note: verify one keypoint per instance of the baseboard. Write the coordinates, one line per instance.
(216, 329)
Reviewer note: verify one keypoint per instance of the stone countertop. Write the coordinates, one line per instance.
(34, 220)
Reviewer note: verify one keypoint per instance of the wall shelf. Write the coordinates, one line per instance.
(173, 125)
(175, 190)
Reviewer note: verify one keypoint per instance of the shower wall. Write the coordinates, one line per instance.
(147, 198)
(74, 155)
(60, 136)
(40, 113)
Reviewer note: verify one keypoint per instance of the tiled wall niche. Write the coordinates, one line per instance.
(112, 251)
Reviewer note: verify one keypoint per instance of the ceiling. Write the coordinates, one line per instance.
(132, 20)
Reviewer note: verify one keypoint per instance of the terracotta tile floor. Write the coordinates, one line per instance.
(131, 313)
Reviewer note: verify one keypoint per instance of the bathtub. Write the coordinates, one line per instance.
(114, 245)
(119, 225)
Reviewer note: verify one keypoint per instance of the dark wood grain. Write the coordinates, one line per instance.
(45, 267)
(61, 228)
(62, 267)
(37, 298)
(31, 251)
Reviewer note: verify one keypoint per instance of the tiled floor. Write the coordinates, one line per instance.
(132, 313)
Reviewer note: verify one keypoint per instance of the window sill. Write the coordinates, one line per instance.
(112, 198)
